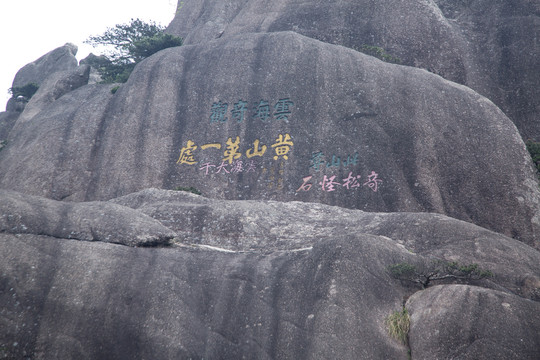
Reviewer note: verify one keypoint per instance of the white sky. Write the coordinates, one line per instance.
(31, 28)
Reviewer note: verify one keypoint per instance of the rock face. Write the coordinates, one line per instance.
(460, 320)
(24, 214)
(278, 117)
(490, 46)
(318, 287)
(59, 59)
(321, 168)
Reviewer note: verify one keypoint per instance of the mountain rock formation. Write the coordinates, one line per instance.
(490, 46)
(320, 166)
(257, 279)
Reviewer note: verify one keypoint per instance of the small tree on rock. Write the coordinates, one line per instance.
(131, 43)
(437, 270)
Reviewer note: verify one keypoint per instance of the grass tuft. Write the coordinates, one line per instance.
(398, 325)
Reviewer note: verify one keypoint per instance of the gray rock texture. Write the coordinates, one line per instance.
(276, 226)
(317, 289)
(344, 129)
(490, 46)
(55, 86)
(457, 322)
(26, 214)
(7, 121)
(321, 167)
(60, 59)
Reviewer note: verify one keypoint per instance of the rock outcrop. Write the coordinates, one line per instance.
(458, 322)
(280, 117)
(316, 285)
(91, 221)
(490, 46)
(332, 182)
(60, 59)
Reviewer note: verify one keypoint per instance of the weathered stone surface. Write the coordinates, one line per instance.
(466, 322)
(264, 104)
(92, 221)
(316, 289)
(63, 138)
(59, 59)
(435, 145)
(15, 105)
(7, 121)
(275, 226)
(94, 77)
(88, 301)
(490, 46)
(53, 87)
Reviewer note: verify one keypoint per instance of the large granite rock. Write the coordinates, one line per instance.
(54, 87)
(490, 46)
(271, 104)
(276, 226)
(281, 116)
(316, 288)
(92, 221)
(458, 322)
(7, 121)
(60, 59)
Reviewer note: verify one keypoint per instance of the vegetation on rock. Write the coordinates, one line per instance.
(190, 189)
(27, 90)
(398, 324)
(534, 149)
(437, 270)
(379, 53)
(131, 44)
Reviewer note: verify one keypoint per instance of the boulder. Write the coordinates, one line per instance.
(26, 214)
(318, 287)
(60, 59)
(16, 104)
(267, 226)
(490, 46)
(95, 77)
(467, 322)
(283, 122)
(55, 86)
(64, 138)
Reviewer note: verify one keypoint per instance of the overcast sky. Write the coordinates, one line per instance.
(31, 28)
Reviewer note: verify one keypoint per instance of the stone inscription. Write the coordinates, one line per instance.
(318, 161)
(279, 149)
(262, 110)
(329, 183)
(333, 183)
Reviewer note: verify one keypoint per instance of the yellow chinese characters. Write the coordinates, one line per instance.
(186, 154)
(256, 151)
(232, 150)
(282, 146)
(213, 145)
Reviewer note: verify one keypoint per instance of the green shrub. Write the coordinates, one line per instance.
(27, 90)
(402, 269)
(146, 46)
(398, 324)
(131, 44)
(190, 189)
(379, 53)
(3, 144)
(534, 149)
